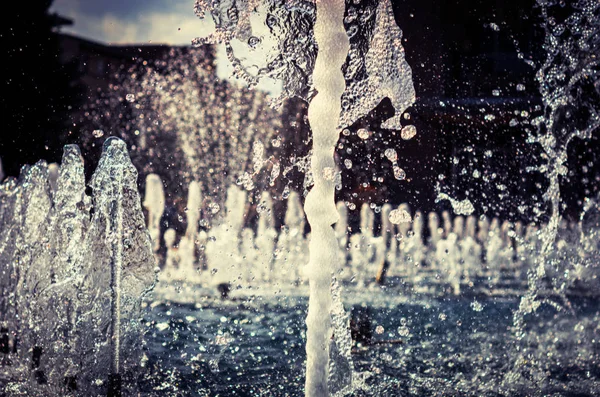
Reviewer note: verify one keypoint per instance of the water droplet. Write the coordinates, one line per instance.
(494, 27)
(408, 132)
(391, 154)
(403, 331)
(363, 133)
(476, 306)
(271, 21)
(253, 41)
(399, 173)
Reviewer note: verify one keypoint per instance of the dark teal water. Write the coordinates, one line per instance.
(450, 346)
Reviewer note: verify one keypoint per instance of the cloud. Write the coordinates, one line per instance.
(175, 25)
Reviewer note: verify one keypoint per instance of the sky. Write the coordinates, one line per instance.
(133, 21)
(144, 21)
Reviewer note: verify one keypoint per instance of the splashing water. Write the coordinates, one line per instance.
(187, 125)
(66, 269)
(369, 76)
(568, 81)
(57, 244)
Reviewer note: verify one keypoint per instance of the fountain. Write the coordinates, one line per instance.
(397, 301)
(76, 270)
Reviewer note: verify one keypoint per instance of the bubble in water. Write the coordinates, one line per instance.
(214, 208)
(348, 163)
(408, 132)
(253, 41)
(520, 87)
(130, 97)
(379, 330)
(363, 133)
(98, 133)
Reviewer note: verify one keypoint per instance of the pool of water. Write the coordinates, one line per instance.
(451, 346)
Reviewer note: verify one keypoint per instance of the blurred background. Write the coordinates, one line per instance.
(79, 71)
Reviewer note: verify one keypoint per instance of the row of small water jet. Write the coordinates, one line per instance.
(455, 253)
(74, 270)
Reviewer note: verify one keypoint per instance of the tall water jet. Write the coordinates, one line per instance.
(376, 69)
(265, 237)
(223, 248)
(154, 202)
(189, 242)
(320, 208)
(120, 230)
